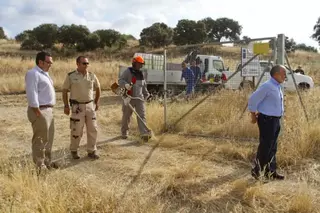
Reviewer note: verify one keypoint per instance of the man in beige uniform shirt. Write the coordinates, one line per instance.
(81, 83)
(41, 99)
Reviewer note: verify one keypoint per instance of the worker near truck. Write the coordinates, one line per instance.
(133, 81)
(196, 72)
(266, 107)
(188, 75)
(299, 70)
(81, 84)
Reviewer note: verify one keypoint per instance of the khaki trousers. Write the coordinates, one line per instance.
(139, 106)
(43, 134)
(83, 114)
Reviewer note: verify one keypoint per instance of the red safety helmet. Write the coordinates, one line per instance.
(138, 59)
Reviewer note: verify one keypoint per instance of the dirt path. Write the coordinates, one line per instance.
(179, 174)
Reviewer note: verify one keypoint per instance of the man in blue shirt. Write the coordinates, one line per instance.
(188, 75)
(196, 72)
(266, 107)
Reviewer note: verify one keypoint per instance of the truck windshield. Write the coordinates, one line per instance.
(218, 65)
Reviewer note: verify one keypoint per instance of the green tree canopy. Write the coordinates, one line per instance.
(157, 35)
(189, 32)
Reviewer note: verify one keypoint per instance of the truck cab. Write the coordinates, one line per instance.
(212, 68)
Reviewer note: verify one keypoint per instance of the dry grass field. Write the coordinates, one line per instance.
(175, 172)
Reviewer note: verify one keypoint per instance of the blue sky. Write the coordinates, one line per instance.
(258, 18)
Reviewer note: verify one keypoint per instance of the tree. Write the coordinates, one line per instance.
(108, 37)
(2, 34)
(123, 41)
(92, 42)
(70, 35)
(290, 45)
(316, 29)
(27, 34)
(46, 34)
(30, 44)
(246, 39)
(304, 47)
(157, 35)
(189, 32)
(210, 24)
(222, 27)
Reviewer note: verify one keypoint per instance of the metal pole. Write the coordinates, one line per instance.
(280, 49)
(280, 60)
(295, 84)
(274, 43)
(165, 89)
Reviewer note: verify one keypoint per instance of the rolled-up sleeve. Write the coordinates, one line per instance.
(257, 97)
(31, 81)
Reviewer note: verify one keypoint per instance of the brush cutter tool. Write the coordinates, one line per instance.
(123, 92)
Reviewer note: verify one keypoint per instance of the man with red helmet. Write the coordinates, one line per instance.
(132, 80)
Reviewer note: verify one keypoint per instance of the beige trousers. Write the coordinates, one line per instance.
(83, 114)
(43, 134)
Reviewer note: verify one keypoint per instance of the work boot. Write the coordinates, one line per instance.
(42, 169)
(145, 138)
(53, 165)
(255, 174)
(124, 136)
(93, 155)
(75, 155)
(274, 175)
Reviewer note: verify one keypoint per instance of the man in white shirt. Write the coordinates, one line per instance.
(41, 99)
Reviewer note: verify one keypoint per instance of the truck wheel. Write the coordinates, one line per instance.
(303, 86)
(246, 85)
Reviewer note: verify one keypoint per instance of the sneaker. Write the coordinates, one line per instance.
(93, 155)
(75, 155)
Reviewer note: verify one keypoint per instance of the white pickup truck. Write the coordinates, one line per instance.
(212, 73)
(303, 81)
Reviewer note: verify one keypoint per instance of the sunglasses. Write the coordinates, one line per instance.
(85, 63)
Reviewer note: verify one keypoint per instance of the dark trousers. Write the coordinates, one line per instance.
(269, 128)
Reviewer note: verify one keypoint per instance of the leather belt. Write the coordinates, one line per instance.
(270, 116)
(45, 106)
(77, 102)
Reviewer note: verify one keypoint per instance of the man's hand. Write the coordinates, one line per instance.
(128, 86)
(148, 98)
(37, 111)
(97, 106)
(67, 110)
(254, 117)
